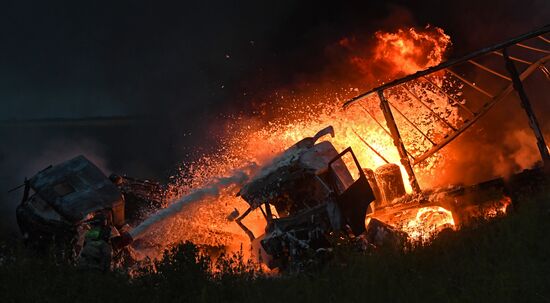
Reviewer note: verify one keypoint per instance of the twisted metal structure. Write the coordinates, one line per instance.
(514, 80)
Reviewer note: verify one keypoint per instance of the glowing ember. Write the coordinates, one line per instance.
(498, 208)
(428, 222)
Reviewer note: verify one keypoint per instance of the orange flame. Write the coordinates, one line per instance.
(498, 208)
(249, 139)
(412, 50)
(428, 222)
(403, 52)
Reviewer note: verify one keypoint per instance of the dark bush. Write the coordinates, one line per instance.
(503, 260)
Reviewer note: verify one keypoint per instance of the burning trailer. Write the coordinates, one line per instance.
(308, 184)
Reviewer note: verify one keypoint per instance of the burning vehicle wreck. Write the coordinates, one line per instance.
(68, 203)
(384, 151)
(312, 196)
(307, 194)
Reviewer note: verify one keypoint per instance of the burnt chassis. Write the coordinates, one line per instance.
(62, 198)
(340, 210)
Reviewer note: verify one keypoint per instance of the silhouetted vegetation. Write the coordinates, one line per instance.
(503, 260)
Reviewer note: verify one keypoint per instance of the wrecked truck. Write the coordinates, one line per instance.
(309, 195)
(61, 202)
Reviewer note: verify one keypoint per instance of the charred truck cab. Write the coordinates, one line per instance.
(316, 192)
(60, 198)
(61, 201)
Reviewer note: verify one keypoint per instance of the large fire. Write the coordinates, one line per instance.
(411, 50)
(248, 140)
(396, 54)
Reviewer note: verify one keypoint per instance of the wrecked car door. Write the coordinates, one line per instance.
(353, 192)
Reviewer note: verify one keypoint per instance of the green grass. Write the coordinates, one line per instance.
(504, 260)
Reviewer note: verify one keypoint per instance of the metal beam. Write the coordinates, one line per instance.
(472, 85)
(248, 232)
(482, 112)
(376, 120)
(514, 58)
(369, 146)
(390, 121)
(540, 50)
(492, 71)
(533, 122)
(545, 71)
(412, 123)
(381, 126)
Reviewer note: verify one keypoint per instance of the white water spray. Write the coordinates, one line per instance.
(239, 177)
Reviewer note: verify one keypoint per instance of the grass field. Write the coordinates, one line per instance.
(504, 260)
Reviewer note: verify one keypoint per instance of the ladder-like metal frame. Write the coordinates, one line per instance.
(514, 80)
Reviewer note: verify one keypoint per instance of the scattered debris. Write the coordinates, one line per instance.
(381, 234)
(311, 197)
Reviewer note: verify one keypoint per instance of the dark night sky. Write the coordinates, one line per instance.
(181, 64)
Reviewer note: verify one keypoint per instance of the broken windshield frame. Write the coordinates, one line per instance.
(342, 172)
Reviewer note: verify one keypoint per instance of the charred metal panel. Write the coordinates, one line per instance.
(290, 183)
(353, 200)
(76, 188)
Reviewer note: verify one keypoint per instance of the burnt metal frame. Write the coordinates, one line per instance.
(390, 121)
(339, 157)
(370, 147)
(533, 123)
(248, 232)
(515, 80)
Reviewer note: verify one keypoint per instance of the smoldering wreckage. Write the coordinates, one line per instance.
(312, 196)
(310, 187)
